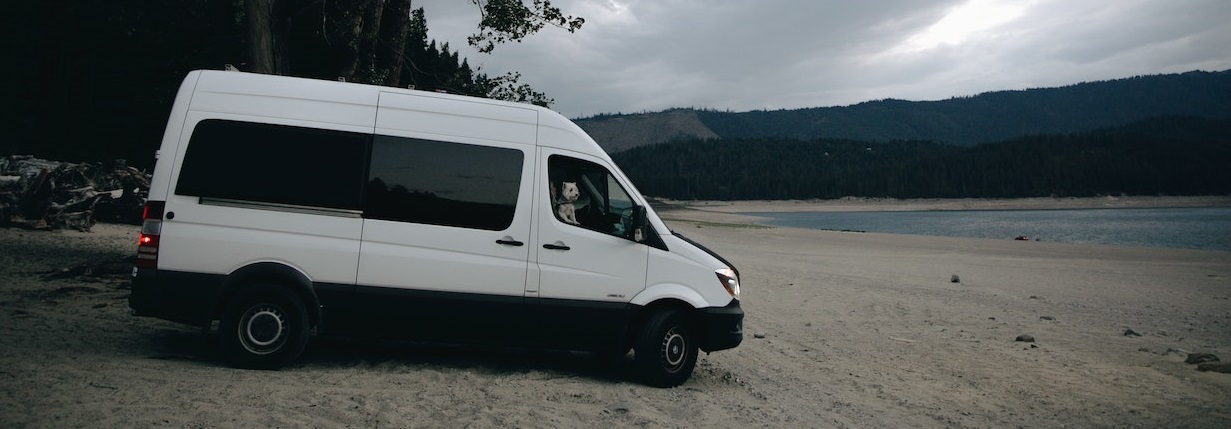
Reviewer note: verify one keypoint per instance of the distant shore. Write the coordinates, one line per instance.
(735, 212)
(861, 204)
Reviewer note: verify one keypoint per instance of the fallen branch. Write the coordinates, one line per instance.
(42, 194)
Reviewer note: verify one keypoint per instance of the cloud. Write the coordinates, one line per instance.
(647, 55)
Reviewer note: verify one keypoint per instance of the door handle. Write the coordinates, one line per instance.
(556, 246)
(509, 241)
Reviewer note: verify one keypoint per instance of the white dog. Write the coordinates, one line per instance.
(566, 209)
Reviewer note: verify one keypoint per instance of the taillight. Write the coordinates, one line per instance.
(151, 227)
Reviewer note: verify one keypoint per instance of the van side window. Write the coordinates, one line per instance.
(586, 195)
(441, 183)
(274, 164)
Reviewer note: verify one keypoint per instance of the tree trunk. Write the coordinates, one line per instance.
(368, 41)
(393, 57)
(357, 44)
(262, 57)
(281, 30)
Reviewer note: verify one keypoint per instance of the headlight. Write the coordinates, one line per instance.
(729, 280)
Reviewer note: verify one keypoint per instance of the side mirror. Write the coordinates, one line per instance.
(640, 222)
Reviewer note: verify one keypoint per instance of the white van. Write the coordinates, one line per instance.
(282, 207)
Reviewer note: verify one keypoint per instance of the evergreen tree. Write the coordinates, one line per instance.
(94, 79)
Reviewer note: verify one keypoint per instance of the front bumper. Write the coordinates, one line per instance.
(723, 327)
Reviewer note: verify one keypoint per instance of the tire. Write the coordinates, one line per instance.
(666, 349)
(263, 327)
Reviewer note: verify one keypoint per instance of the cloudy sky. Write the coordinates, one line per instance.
(649, 55)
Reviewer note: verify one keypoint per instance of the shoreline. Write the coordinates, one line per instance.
(756, 214)
(865, 204)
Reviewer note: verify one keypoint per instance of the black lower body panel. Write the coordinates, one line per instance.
(723, 326)
(175, 296)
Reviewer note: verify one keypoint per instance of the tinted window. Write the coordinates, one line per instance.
(441, 183)
(274, 164)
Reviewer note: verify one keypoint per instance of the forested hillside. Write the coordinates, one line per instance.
(988, 117)
(1172, 155)
(94, 80)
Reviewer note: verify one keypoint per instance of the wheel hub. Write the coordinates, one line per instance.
(263, 329)
(675, 349)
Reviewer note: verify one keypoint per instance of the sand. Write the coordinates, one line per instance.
(857, 330)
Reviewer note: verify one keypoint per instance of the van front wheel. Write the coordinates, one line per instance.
(666, 349)
(264, 327)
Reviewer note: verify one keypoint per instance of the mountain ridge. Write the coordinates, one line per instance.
(968, 120)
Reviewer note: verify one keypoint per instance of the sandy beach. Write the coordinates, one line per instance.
(851, 330)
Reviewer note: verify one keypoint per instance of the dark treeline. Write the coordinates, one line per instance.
(1162, 156)
(93, 80)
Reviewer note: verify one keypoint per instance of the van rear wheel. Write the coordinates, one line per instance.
(263, 327)
(666, 349)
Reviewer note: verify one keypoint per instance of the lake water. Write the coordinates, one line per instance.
(1190, 228)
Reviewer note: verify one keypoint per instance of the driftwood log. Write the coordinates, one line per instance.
(42, 194)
